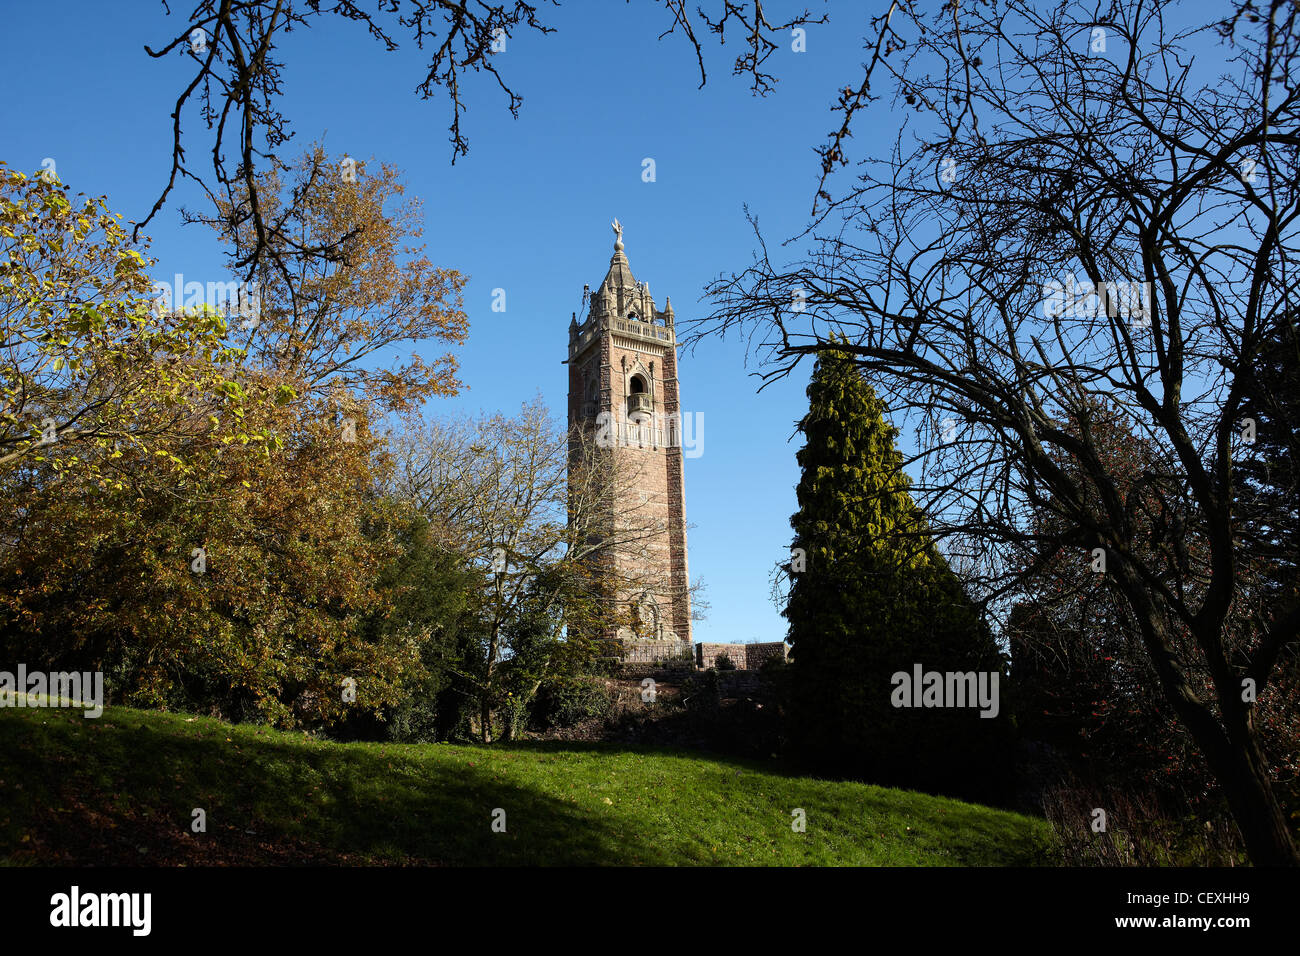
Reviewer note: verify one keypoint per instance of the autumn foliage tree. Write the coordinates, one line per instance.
(238, 588)
(237, 564)
(337, 325)
(87, 360)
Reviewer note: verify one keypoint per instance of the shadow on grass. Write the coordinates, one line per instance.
(122, 789)
(144, 775)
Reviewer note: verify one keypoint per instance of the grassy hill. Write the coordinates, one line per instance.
(121, 790)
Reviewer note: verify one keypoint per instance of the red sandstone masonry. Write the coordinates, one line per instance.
(625, 335)
(746, 657)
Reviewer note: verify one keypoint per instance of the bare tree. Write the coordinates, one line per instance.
(1076, 208)
(238, 79)
(543, 527)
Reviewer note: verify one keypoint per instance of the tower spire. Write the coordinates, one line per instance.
(620, 292)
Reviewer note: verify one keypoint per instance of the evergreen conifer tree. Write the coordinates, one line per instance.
(874, 598)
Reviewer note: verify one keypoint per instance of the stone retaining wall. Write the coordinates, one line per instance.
(746, 657)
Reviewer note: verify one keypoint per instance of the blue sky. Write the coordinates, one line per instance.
(527, 211)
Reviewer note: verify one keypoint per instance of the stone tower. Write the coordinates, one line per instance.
(623, 390)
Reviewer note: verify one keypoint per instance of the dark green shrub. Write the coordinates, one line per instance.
(566, 701)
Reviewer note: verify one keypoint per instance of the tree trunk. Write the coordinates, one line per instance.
(1241, 771)
(485, 697)
(1231, 747)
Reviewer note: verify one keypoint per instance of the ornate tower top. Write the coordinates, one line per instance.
(622, 304)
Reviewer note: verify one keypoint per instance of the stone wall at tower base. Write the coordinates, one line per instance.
(746, 657)
(657, 652)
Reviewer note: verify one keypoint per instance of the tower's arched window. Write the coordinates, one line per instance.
(640, 405)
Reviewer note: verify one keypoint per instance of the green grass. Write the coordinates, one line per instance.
(122, 788)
